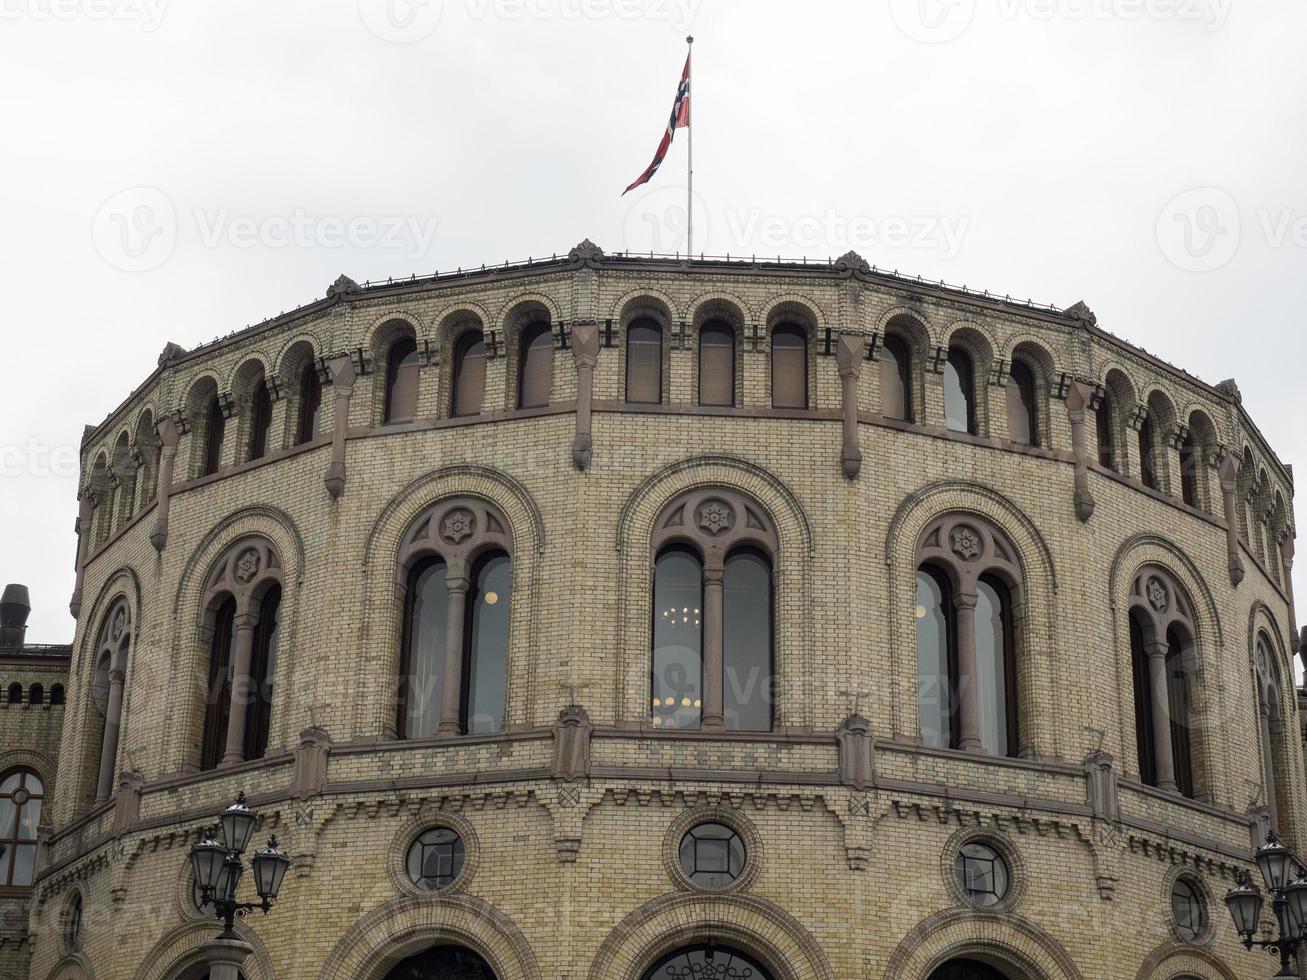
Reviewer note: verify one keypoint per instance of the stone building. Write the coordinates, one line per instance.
(609, 618)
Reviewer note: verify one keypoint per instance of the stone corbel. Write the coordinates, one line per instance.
(169, 438)
(127, 802)
(585, 353)
(936, 360)
(341, 368)
(1060, 388)
(1229, 474)
(1178, 434)
(1078, 398)
(1101, 786)
(572, 734)
(226, 404)
(856, 753)
(1137, 416)
(85, 513)
(999, 371)
(311, 757)
(848, 358)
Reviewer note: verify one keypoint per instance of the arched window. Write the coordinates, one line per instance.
(707, 960)
(1106, 442)
(1178, 684)
(469, 374)
(1189, 463)
(215, 429)
(263, 672)
(959, 392)
(310, 417)
(1022, 414)
(402, 381)
(644, 362)
(1270, 727)
(967, 970)
(15, 694)
(677, 684)
(260, 420)
(1143, 692)
(789, 367)
(747, 626)
(443, 961)
(716, 364)
(112, 646)
(967, 579)
(56, 696)
(485, 666)
(896, 379)
(535, 368)
(21, 796)
(219, 687)
(1147, 469)
(423, 661)
(36, 694)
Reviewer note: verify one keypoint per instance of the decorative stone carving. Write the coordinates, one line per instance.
(966, 542)
(247, 566)
(585, 355)
(342, 287)
(1158, 597)
(453, 528)
(119, 624)
(572, 734)
(311, 757)
(1081, 314)
(170, 353)
(458, 525)
(1080, 395)
(586, 252)
(241, 573)
(1101, 786)
(127, 802)
(856, 753)
(849, 360)
(851, 263)
(716, 517)
(341, 372)
(1231, 390)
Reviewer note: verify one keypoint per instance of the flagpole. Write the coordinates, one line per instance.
(689, 184)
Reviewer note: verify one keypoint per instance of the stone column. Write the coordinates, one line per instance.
(342, 386)
(169, 437)
(1078, 398)
(458, 584)
(1286, 564)
(240, 688)
(113, 714)
(85, 523)
(968, 702)
(225, 957)
(714, 576)
(585, 352)
(1268, 762)
(1229, 474)
(848, 358)
(1164, 760)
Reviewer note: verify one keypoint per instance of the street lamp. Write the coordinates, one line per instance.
(1289, 900)
(218, 869)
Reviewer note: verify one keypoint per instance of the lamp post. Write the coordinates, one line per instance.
(218, 869)
(1288, 899)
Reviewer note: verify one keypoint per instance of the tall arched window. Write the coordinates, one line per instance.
(747, 628)
(1147, 468)
(260, 420)
(967, 582)
(402, 381)
(21, 794)
(263, 672)
(1106, 442)
(1143, 693)
(644, 362)
(677, 684)
(310, 417)
(1022, 414)
(1270, 726)
(15, 693)
(959, 392)
(535, 366)
(217, 691)
(716, 364)
(36, 694)
(111, 651)
(469, 374)
(453, 665)
(789, 367)
(1189, 463)
(896, 379)
(215, 430)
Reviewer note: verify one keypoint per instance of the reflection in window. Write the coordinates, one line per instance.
(982, 874)
(959, 392)
(218, 692)
(935, 658)
(535, 375)
(469, 374)
(644, 362)
(310, 420)
(1022, 424)
(215, 429)
(424, 650)
(1187, 908)
(1177, 679)
(485, 663)
(260, 420)
(677, 640)
(789, 367)
(402, 381)
(263, 671)
(996, 680)
(1106, 444)
(435, 859)
(747, 642)
(896, 380)
(21, 795)
(716, 364)
(712, 855)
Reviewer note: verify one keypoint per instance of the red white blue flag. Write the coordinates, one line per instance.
(680, 120)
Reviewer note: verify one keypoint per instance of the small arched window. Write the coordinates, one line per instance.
(677, 685)
(469, 374)
(56, 695)
(263, 672)
(402, 381)
(217, 710)
(535, 369)
(1022, 416)
(310, 416)
(716, 364)
(21, 796)
(15, 694)
(789, 367)
(896, 379)
(644, 362)
(36, 694)
(959, 392)
(422, 663)
(747, 644)
(215, 430)
(485, 657)
(260, 420)
(1189, 462)
(1106, 443)
(1147, 468)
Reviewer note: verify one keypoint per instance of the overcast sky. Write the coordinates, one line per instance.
(176, 170)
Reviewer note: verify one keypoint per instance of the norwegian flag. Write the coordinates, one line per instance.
(680, 120)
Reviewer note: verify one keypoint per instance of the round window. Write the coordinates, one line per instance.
(435, 859)
(712, 855)
(982, 874)
(72, 924)
(1187, 907)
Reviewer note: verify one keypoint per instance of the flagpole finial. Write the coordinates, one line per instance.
(690, 39)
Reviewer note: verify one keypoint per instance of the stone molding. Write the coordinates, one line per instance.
(694, 816)
(426, 818)
(1003, 937)
(994, 837)
(183, 948)
(1176, 961)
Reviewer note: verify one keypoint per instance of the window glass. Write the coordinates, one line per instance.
(982, 874)
(402, 381)
(747, 642)
(435, 859)
(536, 370)
(789, 367)
(486, 665)
(934, 654)
(263, 672)
(716, 365)
(310, 420)
(993, 667)
(1187, 907)
(959, 392)
(677, 640)
(712, 855)
(21, 796)
(895, 380)
(1106, 448)
(215, 431)
(1021, 405)
(644, 362)
(469, 374)
(424, 661)
(260, 421)
(218, 691)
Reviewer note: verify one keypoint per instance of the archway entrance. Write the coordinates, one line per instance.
(967, 970)
(707, 962)
(443, 963)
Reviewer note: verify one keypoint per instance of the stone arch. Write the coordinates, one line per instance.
(1160, 412)
(521, 313)
(1119, 402)
(146, 447)
(729, 306)
(199, 398)
(799, 308)
(294, 354)
(1003, 939)
(1043, 364)
(253, 369)
(401, 928)
(181, 951)
(727, 309)
(637, 301)
(910, 328)
(754, 925)
(803, 313)
(1274, 689)
(392, 328)
(72, 966)
(1178, 961)
(296, 357)
(975, 340)
(1202, 432)
(1031, 563)
(450, 325)
(791, 571)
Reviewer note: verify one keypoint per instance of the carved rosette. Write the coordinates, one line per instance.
(715, 520)
(245, 571)
(715, 517)
(1158, 596)
(455, 529)
(966, 542)
(1160, 602)
(458, 525)
(969, 546)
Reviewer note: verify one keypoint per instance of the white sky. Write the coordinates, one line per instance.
(1032, 147)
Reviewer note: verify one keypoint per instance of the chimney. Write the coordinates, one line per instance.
(14, 609)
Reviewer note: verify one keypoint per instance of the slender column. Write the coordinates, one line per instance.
(457, 583)
(169, 437)
(85, 513)
(1163, 757)
(113, 714)
(848, 358)
(1078, 397)
(1268, 763)
(240, 688)
(342, 386)
(1229, 474)
(585, 352)
(968, 706)
(714, 575)
(225, 957)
